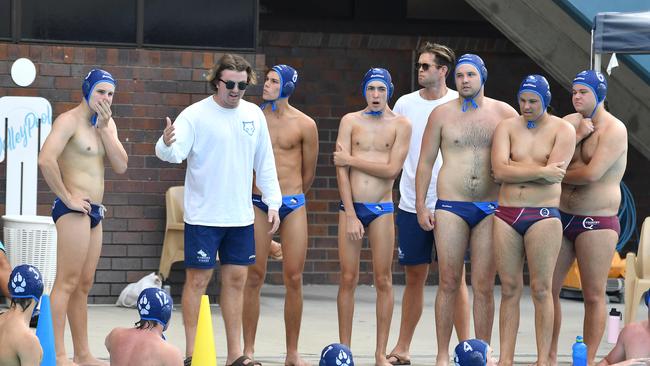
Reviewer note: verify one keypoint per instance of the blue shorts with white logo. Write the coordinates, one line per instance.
(236, 245)
(415, 246)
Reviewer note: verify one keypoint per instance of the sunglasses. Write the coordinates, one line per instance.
(242, 85)
(426, 67)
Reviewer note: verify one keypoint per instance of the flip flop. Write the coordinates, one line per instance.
(240, 361)
(398, 360)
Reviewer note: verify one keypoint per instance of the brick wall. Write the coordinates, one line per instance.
(153, 84)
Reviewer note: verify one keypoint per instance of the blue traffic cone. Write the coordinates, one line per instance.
(45, 333)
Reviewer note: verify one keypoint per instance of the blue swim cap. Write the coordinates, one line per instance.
(94, 77)
(646, 298)
(473, 352)
(288, 80)
(377, 74)
(26, 282)
(154, 304)
(336, 354)
(536, 84)
(478, 63)
(595, 81)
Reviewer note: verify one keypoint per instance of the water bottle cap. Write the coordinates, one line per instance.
(579, 339)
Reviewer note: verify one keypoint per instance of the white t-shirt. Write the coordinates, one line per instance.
(222, 147)
(417, 110)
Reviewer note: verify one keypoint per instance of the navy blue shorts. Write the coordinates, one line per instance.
(96, 212)
(414, 246)
(236, 245)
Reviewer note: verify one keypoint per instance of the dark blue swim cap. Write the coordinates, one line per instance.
(596, 82)
(336, 354)
(473, 352)
(94, 77)
(26, 282)
(477, 62)
(377, 74)
(646, 298)
(536, 84)
(154, 304)
(288, 80)
(479, 65)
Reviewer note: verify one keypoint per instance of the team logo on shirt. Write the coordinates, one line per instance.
(589, 223)
(249, 127)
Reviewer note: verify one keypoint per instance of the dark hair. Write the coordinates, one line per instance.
(145, 324)
(23, 302)
(230, 62)
(551, 110)
(443, 55)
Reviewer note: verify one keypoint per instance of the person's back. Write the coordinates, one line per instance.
(20, 346)
(633, 344)
(141, 347)
(144, 345)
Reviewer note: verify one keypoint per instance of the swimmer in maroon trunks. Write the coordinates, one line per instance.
(590, 200)
(529, 156)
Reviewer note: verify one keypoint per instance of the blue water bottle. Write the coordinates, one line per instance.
(579, 352)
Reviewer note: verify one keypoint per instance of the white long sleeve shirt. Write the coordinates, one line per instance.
(223, 147)
(417, 110)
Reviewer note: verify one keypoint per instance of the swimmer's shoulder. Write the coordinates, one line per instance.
(442, 112)
(503, 109)
(68, 119)
(573, 118)
(302, 117)
(402, 120)
(564, 126)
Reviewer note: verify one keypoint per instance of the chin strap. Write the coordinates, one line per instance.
(374, 113)
(467, 103)
(274, 105)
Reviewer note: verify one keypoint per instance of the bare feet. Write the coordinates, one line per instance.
(442, 360)
(276, 250)
(89, 360)
(64, 361)
(381, 360)
(295, 361)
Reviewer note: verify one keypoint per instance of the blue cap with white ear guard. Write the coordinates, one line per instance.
(477, 62)
(26, 282)
(336, 354)
(472, 352)
(154, 304)
(94, 77)
(595, 81)
(536, 84)
(288, 80)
